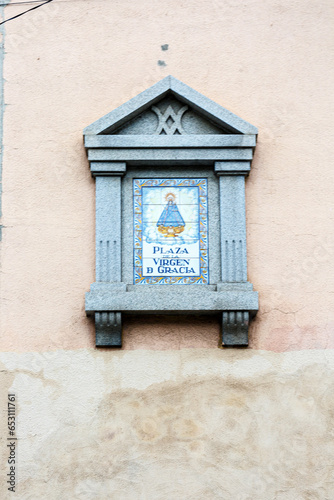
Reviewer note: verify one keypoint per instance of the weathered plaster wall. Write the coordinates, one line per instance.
(165, 425)
(170, 416)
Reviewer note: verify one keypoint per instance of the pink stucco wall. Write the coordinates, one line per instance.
(69, 63)
(170, 416)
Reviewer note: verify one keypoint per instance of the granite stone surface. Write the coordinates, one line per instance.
(170, 299)
(170, 132)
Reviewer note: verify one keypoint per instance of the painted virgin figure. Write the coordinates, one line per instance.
(170, 222)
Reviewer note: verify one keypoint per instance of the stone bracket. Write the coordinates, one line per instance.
(235, 328)
(108, 327)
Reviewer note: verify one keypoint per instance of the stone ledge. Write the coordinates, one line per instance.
(165, 301)
(170, 141)
(169, 154)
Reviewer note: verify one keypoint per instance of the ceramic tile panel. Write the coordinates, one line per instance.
(170, 231)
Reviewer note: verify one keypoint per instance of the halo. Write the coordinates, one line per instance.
(170, 197)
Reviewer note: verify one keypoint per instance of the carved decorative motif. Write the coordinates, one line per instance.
(169, 121)
(233, 271)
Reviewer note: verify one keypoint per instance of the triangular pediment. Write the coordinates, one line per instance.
(170, 108)
(169, 116)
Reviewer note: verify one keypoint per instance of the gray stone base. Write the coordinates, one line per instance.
(237, 302)
(171, 299)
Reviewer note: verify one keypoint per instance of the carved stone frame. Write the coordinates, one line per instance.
(113, 156)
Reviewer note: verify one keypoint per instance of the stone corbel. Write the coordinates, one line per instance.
(108, 327)
(235, 328)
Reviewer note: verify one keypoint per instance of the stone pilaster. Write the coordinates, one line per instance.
(108, 324)
(233, 246)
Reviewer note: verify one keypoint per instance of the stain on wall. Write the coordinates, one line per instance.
(194, 424)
